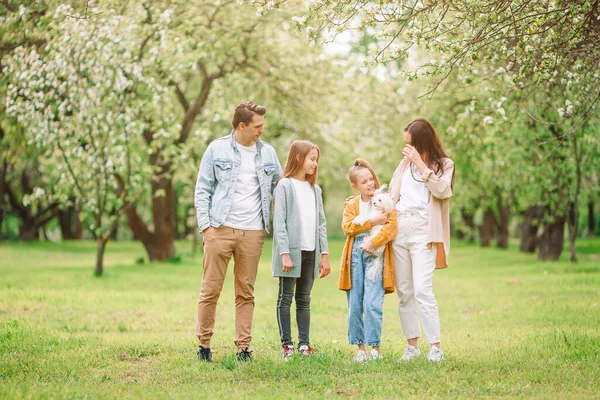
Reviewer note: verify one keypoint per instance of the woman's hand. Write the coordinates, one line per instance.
(378, 219)
(414, 157)
(286, 262)
(324, 267)
(368, 246)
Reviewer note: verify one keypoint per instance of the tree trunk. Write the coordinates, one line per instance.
(65, 222)
(178, 222)
(29, 230)
(30, 222)
(592, 219)
(3, 183)
(78, 227)
(187, 229)
(572, 223)
(114, 233)
(529, 228)
(70, 224)
(100, 247)
(469, 222)
(573, 212)
(160, 251)
(160, 244)
(45, 233)
(503, 225)
(163, 244)
(488, 227)
(551, 240)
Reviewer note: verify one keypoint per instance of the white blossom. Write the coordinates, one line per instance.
(299, 20)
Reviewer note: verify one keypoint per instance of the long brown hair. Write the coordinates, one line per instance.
(296, 156)
(424, 139)
(360, 164)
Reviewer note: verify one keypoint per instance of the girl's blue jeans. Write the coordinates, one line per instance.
(365, 300)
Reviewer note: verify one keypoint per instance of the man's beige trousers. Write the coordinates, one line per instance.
(219, 245)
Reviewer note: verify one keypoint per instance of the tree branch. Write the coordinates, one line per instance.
(180, 95)
(53, 213)
(15, 204)
(148, 136)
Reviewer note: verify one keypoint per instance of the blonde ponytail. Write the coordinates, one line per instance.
(358, 165)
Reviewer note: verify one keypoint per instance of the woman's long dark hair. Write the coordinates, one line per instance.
(424, 139)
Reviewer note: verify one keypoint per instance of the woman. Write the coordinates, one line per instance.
(422, 188)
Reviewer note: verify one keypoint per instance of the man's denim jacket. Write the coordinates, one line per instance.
(217, 179)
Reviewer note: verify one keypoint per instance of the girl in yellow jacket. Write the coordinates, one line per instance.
(365, 297)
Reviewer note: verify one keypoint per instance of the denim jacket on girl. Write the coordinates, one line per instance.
(218, 175)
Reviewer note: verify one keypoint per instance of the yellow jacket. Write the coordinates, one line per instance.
(385, 236)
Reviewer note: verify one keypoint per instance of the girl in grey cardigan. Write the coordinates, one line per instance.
(299, 237)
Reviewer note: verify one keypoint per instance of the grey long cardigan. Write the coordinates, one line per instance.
(287, 230)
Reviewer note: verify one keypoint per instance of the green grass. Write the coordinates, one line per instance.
(511, 327)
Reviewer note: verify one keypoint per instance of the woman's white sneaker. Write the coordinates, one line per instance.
(435, 354)
(410, 352)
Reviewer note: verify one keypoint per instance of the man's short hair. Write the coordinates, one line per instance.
(245, 111)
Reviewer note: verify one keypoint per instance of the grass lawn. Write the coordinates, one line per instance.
(511, 327)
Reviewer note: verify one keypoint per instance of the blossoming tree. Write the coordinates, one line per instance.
(81, 111)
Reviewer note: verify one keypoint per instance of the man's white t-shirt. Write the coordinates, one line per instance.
(414, 193)
(305, 198)
(245, 211)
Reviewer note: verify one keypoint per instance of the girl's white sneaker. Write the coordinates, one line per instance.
(435, 354)
(361, 356)
(375, 355)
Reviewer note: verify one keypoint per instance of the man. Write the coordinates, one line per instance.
(238, 174)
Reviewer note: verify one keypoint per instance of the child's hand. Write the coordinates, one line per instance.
(368, 246)
(324, 267)
(286, 262)
(378, 219)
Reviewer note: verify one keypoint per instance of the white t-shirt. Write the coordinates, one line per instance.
(364, 209)
(305, 198)
(414, 193)
(245, 211)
